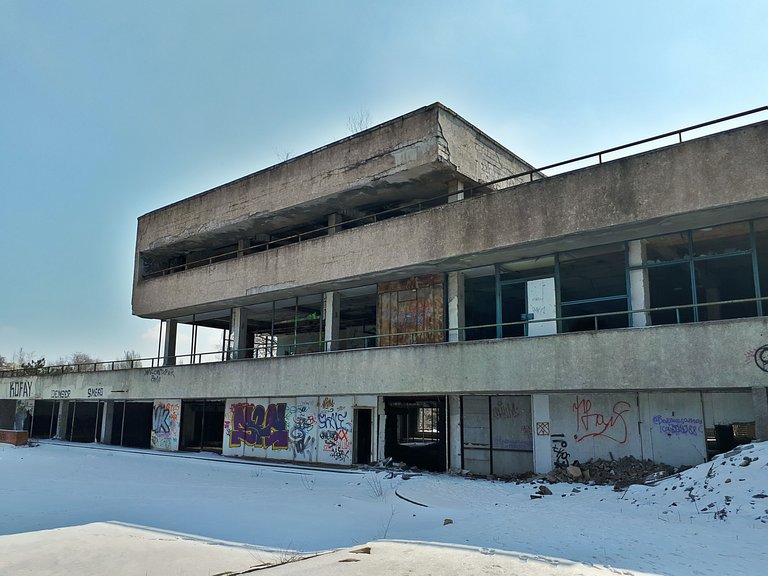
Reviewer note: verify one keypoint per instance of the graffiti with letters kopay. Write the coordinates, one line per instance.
(259, 426)
(592, 423)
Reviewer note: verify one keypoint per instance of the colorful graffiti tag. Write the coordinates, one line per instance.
(165, 424)
(300, 435)
(257, 426)
(335, 430)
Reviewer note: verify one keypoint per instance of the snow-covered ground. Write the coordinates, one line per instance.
(712, 519)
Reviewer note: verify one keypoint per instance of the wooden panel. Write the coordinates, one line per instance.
(414, 308)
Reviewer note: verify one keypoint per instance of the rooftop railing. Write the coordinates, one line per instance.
(418, 206)
(438, 336)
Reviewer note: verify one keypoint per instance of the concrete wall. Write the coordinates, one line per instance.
(710, 355)
(304, 429)
(706, 181)
(432, 139)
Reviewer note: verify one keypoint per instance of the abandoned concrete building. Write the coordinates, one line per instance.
(418, 291)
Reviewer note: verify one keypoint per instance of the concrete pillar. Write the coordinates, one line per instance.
(61, 422)
(241, 246)
(170, 328)
(638, 282)
(456, 186)
(334, 223)
(332, 300)
(454, 433)
(541, 429)
(760, 407)
(106, 421)
(238, 331)
(456, 307)
(331, 317)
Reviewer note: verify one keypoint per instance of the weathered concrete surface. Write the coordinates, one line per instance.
(719, 178)
(413, 155)
(705, 356)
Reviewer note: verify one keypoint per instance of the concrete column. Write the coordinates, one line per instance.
(456, 307)
(241, 246)
(541, 425)
(381, 427)
(61, 422)
(456, 186)
(170, 328)
(638, 282)
(454, 433)
(334, 223)
(331, 306)
(760, 407)
(106, 421)
(332, 300)
(238, 326)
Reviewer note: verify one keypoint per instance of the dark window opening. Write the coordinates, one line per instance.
(202, 425)
(415, 431)
(480, 307)
(45, 418)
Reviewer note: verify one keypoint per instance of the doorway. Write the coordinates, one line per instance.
(363, 435)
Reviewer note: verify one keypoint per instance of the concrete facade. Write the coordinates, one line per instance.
(432, 315)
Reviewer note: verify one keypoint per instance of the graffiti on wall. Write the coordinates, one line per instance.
(335, 430)
(301, 434)
(560, 451)
(592, 423)
(258, 426)
(165, 424)
(760, 356)
(505, 410)
(679, 426)
(20, 389)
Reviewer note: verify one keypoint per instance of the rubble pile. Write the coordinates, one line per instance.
(620, 473)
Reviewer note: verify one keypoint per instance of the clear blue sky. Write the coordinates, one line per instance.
(111, 109)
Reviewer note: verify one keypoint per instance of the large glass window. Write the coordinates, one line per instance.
(670, 288)
(480, 303)
(593, 287)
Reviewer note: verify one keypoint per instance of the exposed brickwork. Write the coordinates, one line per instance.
(15, 437)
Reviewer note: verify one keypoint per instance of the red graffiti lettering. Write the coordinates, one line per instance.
(595, 424)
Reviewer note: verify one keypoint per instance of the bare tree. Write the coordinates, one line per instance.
(130, 359)
(84, 361)
(282, 154)
(358, 121)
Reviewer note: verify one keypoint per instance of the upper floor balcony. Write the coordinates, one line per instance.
(699, 183)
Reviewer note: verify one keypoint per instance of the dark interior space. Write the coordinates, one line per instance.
(480, 307)
(84, 421)
(363, 427)
(44, 421)
(202, 425)
(137, 430)
(415, 431)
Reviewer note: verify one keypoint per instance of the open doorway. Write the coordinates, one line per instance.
(363, 427)
(415, 431)
(202, 425)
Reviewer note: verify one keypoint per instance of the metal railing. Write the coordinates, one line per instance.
(417, 206)
(436, 336)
